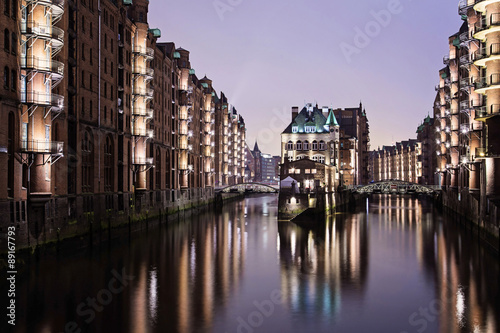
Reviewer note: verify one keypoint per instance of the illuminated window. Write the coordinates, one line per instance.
(289, 145)
(306, 145)
(315, 145)
(299, 145)
(295, 129)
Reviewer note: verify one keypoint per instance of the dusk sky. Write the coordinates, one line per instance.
(268, 56)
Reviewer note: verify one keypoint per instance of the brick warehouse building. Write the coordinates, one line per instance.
(104, 120)
(467, 116)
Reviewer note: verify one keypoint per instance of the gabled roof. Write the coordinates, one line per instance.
(304, 118)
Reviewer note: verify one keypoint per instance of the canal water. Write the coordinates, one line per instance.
(397, 265)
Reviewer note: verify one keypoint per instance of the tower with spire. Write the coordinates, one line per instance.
(257, 162)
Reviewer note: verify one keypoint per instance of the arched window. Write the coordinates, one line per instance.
(315, 145)
(87, 162)
(306, 145)
(109, 150)
(289, 145)
(299, 145)
(158, 168)
(322, 145)
(6, 38)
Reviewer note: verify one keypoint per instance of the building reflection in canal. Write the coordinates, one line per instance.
(396, 265)
(326, 265)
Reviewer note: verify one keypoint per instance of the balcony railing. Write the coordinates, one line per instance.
(465, 60)
(143, 132)
(464, 36)
(142, 112)
(484, 53)
(486, 82)
(141, 70)
(143, 161)
(144, 51)
(42, 65)
(57, 7)
(487, 23)
(483, 112)
(143, 92)
(42, 147)
(59, 3)
(464, 6)
(33, 97)
(464, 105)
(41, 30)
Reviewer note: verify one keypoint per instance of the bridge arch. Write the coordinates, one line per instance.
(249, 188)
(396, 186)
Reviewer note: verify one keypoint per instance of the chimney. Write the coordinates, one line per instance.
(295, 112)
(326, 111)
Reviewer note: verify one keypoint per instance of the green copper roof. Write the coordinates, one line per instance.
(192, 71)
(177, 55)
(127, 2)
(204, 85)
(156, 32)
(331, 120)
(312, 118)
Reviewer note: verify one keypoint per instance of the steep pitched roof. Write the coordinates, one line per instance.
(304, 118)
(332, 120)
(256, 147)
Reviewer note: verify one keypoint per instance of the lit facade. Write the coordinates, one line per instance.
(425, 135)
(103, 119)
(313, 134)
(400, 162)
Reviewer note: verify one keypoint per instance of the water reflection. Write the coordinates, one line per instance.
(381, 268)
(397, 265)
(321, 263)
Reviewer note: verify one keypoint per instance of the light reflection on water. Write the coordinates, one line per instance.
(372, 271)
